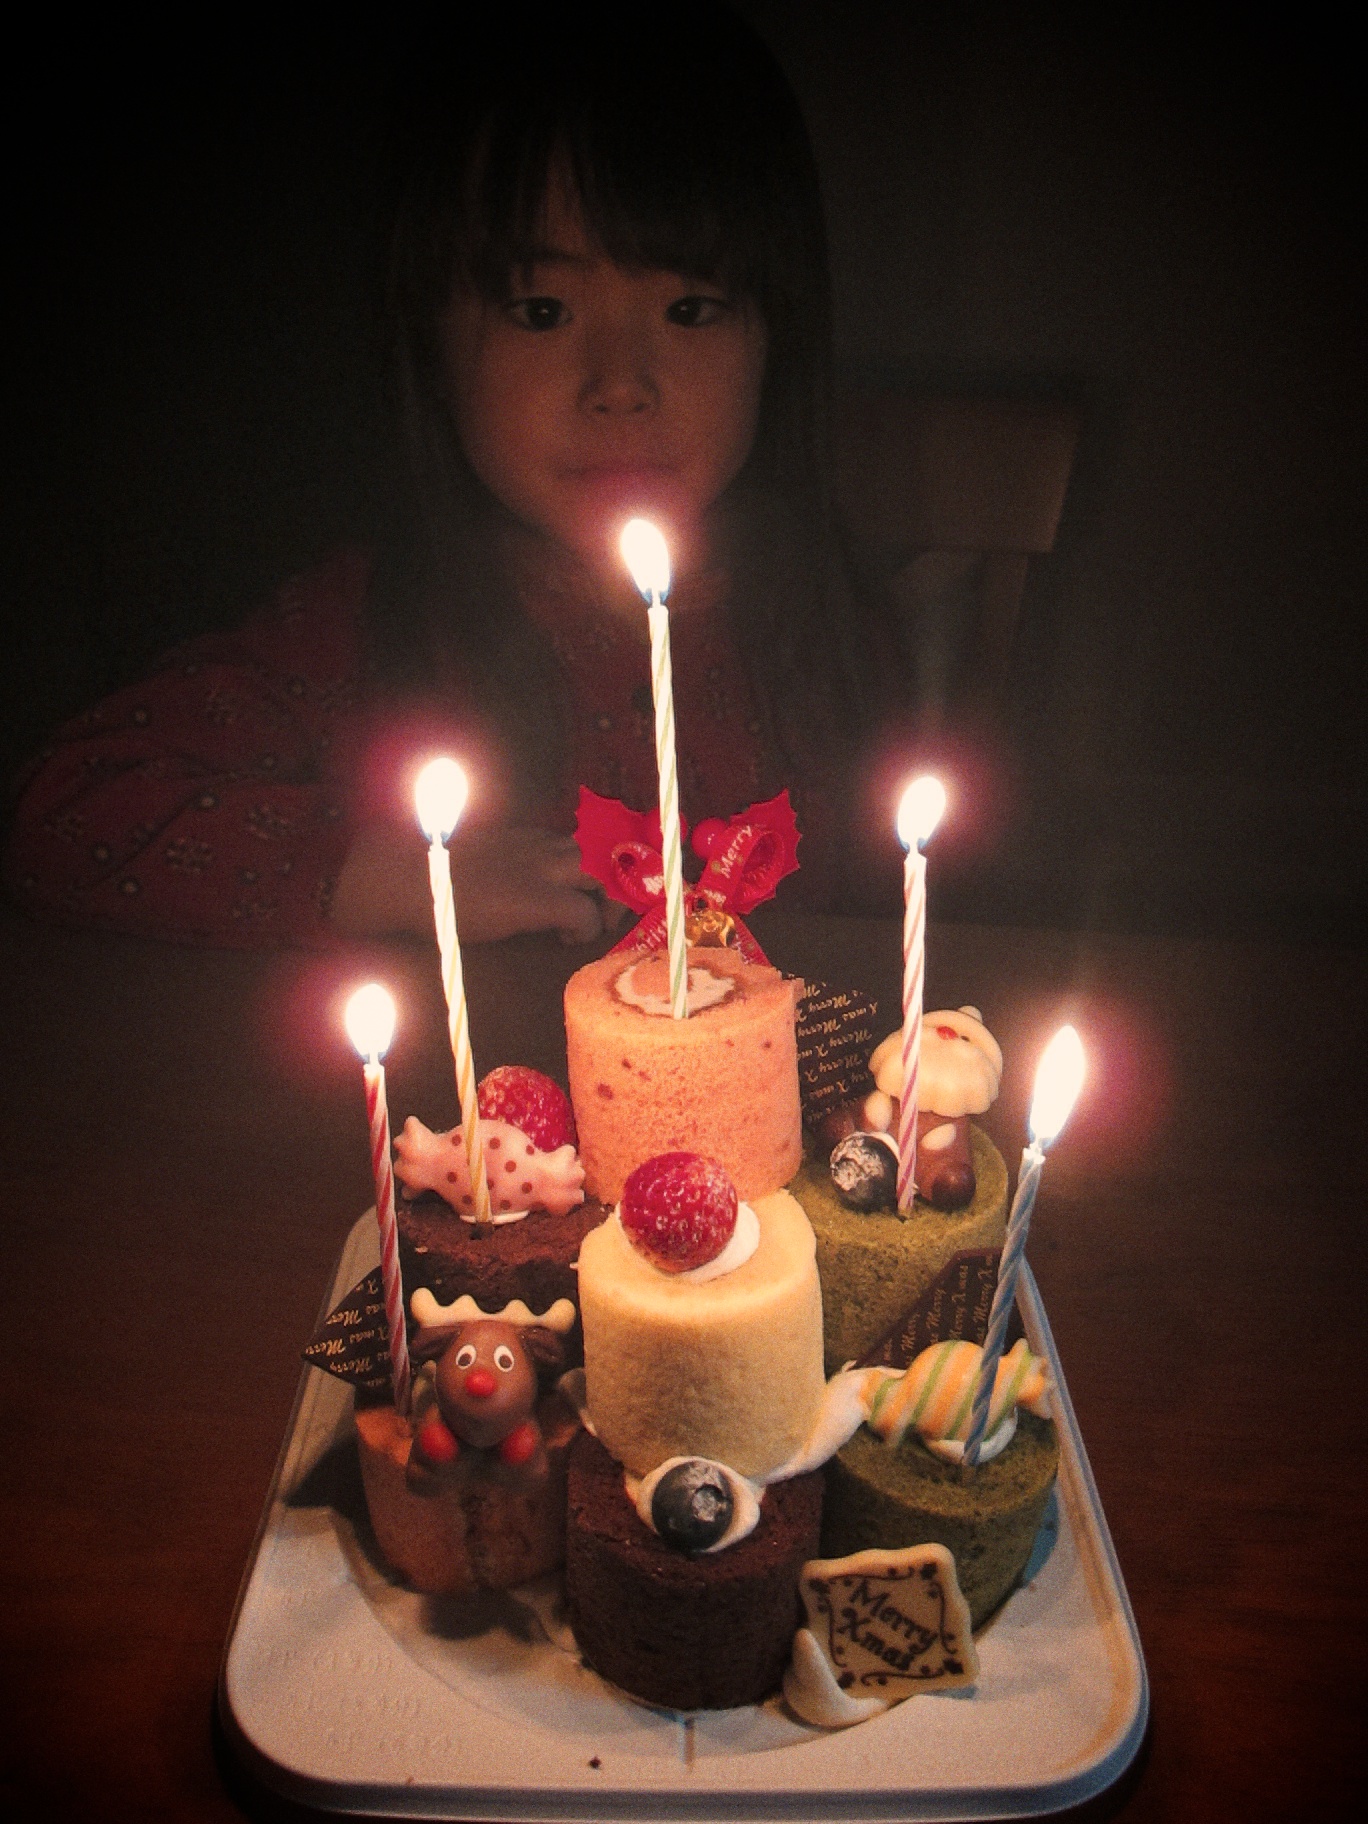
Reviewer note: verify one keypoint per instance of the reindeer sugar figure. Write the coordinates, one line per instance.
(467, 1491)
(485, 1387)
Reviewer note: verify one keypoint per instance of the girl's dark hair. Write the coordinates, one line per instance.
(688, 152)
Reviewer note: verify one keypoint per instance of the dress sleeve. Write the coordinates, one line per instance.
(206, 804)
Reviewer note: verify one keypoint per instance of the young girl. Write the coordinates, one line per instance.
(607, 293)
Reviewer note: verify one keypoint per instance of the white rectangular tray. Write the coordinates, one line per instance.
(347, 1692)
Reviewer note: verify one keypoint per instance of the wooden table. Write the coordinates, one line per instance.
(185, 1149)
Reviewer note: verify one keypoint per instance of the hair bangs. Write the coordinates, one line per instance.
(645, 200)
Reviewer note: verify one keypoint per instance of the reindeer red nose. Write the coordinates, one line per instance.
(480, 1384)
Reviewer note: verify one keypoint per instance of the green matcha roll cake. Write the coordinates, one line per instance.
(874, 1267)
(897, 1495)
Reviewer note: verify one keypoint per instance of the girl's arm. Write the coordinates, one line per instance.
(223, 801)
(506, 879)
(202, 804)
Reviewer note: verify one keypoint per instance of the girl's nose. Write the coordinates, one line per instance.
(480, 1383)
(619, 374)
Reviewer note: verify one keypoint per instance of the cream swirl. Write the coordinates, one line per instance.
(705, 990)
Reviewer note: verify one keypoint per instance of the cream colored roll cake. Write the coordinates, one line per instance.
(728, 1368)
(723, 1082)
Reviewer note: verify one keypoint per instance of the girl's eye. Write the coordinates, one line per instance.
(538, 313)
(696, 311)
(465, 1355)
(503, 1358)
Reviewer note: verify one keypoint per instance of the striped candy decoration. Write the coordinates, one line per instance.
(662, 690)
(377, 1111)
(458, 1022)
(935, 1395)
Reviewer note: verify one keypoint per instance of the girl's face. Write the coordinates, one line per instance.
(599, 391)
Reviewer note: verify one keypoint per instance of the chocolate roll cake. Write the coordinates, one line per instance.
(685, 1632)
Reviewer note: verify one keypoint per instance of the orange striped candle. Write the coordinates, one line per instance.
(441, 793)
(647, 556)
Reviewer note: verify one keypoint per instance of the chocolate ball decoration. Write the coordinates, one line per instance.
(692, 1505)
(953, 1187)
(864, 1169)
(835, 1125)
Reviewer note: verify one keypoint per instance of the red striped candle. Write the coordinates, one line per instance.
(919, 811)
(370, 1026)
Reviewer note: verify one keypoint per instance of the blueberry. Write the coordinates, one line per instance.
(692, 1505)
(864, 1170)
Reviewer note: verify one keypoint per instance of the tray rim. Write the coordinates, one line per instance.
(506, 1803)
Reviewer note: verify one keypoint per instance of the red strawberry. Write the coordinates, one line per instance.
(530, 1102)
(679, 1209)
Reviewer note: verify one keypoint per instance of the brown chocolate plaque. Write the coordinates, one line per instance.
(836, 1028)
(953, 1308)
(352, 1341)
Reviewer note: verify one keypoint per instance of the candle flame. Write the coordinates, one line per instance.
(370, 1021)
(919, 811)
(440, 794)
(647, 556)
(1059, 1077)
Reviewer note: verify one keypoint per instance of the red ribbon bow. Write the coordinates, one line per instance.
(744, 861)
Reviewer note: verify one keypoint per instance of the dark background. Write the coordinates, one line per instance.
(1159, 221)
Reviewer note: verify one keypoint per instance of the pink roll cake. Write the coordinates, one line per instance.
(723, 1082)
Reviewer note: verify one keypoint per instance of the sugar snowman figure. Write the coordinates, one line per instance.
(961, 1068)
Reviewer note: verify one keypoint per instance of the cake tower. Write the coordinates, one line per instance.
(664, 1224)
(694, 1498)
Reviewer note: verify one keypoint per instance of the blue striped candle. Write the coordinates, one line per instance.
(1059, 1077)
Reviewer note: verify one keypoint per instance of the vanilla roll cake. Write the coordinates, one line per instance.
(723, 1082)
(729, 1369)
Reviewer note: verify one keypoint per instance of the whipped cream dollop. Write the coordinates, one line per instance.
(745, 1239)
(705, 990)
(951, 1450)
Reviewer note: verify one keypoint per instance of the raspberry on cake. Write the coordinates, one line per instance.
(440, 1246)
(680, 1210)
(530, 1101)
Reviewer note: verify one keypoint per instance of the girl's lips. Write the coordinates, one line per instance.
(622, 475)
(638, 487)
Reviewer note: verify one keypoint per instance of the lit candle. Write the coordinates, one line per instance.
(370, 1027)
(645, 554)
(441, 794)
(1059, 1077)
(920, 810)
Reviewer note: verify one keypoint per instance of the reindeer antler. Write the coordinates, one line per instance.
(436, 1320)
